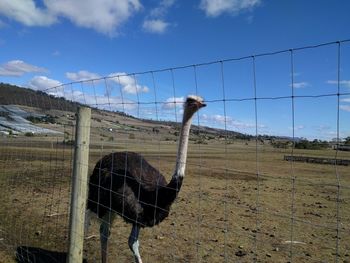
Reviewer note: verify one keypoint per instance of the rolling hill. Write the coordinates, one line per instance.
(38, 103)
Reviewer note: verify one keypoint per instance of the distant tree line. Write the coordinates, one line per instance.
(312, 145)
(44, 119)
(347, 140)
(11, 94)
(301, 144)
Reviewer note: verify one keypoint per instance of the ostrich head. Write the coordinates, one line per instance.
(192, 105)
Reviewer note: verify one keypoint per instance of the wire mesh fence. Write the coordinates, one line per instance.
(240, 200)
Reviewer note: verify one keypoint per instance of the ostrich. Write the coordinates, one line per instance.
(124, 183)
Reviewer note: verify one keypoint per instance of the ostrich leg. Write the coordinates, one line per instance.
(105, 232)
(134, 243)
(87, 222)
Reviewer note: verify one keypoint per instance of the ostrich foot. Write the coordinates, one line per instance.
(91, 237)
(135, 250)
(134, 243)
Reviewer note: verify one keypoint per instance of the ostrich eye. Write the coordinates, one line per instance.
(190, 100)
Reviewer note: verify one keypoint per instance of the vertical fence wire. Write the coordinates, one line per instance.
(226, 203)
(336, 156)
(199, 217)
(293, 178)
(158, 136)
(256, 161)
(176, 120)
(174, 93)
(59, 154)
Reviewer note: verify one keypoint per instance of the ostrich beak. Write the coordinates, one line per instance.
(201, 105)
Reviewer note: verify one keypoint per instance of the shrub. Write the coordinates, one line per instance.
(311, 145)
(200, 141)
(347, 140)
(281, 144)
(45, 119)
(68, 142)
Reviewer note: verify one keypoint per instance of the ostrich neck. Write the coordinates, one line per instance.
(168, 194)
(183, 147)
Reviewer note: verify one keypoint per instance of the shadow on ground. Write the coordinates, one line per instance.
(38, 255)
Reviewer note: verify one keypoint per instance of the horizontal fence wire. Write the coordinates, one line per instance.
(241, 200)
(345, 41)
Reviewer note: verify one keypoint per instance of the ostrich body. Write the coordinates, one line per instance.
(124, 183)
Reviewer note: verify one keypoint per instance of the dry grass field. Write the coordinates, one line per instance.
(236, 204)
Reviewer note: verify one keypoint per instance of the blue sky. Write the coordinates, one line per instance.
(48, 43)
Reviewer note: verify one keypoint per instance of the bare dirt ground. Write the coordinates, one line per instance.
(236, 204)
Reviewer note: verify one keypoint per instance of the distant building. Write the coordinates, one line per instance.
(343, 147)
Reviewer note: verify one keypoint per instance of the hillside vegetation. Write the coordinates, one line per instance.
(11, 94)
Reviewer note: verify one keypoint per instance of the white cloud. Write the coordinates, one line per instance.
(300, 85)
(250, 19)
(345, 83)
(328, 135)
(322, 128)
(17, 68)
(82, 75)
(295, 74)
(214, 8)
(217, 118)
(99, 101)
(112, 103)
(297, 127)
(43, 83)
(155, 22)
(26, 12)
(155, 26)
(2, 24)
(104, 16)
(345, 100)
(171, 102)
(345, 107)
(56, 53)
(128, 83)
(162, 8)
(57, 89)
(220, 120)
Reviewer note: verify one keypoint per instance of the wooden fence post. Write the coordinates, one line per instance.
(79, 186)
